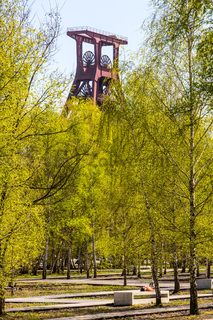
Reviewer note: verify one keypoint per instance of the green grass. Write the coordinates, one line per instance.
(43, 289)
(52, 314)
(74, 273)
(95, 310)
(183, 315)
(199, 291)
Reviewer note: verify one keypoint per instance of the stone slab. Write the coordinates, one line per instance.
(204, 284)
(123, 298)
(129, 298)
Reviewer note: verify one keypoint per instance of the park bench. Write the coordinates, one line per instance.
(132, 297)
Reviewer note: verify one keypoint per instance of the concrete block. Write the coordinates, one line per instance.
(204, 284)
(123, 298)
(129, 298)
(165, 296)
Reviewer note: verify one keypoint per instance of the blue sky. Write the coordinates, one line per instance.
(124, 17)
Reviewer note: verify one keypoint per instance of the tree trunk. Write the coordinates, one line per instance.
(161, 271)
(35, 270)
(2, 293)
(192, 232)
(94, 254)
(2, 284)
(155, 274)
(69, 262)
(62, 263)
(176, 277)
(35, 266)
(183, 265)
(2, 300)
(45, 257)
(80, 260)
(54, 268)
(165, 268)
(154, 259)
(134, 271)
(208, 268)
(139, 269)
(124, 270)
(193, 286)
(139, 272)
(87, 262)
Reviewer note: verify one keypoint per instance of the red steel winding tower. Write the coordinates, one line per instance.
(94, 69)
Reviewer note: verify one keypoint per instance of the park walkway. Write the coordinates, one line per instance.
(133, 313)
(65, 301)
(64, 298)
(117, 281)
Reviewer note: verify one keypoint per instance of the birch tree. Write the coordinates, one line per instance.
(178, 30)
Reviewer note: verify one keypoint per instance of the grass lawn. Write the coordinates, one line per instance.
(74, 273)
(204, 314)
(43, 289)
(52, 314)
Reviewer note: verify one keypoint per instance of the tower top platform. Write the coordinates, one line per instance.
(89, 34)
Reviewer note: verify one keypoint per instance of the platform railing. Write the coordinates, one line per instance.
(106, 33)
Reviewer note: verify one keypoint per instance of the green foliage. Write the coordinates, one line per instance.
(24, 53)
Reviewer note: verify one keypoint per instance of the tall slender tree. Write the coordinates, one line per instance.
(178, 30)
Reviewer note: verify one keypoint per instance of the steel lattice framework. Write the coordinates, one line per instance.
(94, 70)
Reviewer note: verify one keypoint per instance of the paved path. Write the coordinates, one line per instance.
(187, 296)
(65, 298)
(65, 301)
(166, 285)
(59, 297)
(131, 313)
(71, 304)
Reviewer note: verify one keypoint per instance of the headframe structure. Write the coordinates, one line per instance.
(94, 70)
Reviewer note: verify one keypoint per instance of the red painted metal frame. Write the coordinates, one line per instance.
(94, 78)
